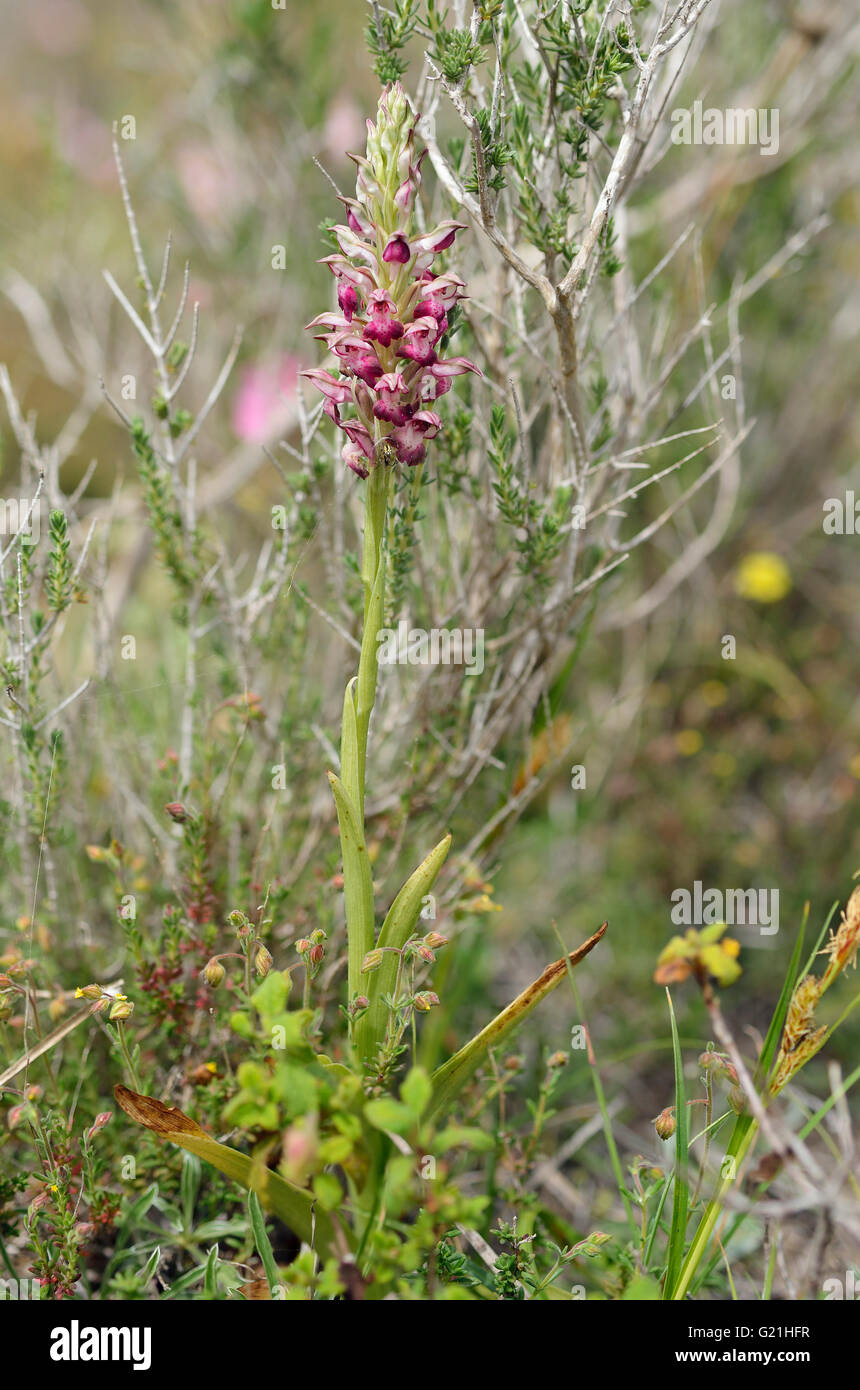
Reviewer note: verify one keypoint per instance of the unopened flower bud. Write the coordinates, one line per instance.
(316, 955)
(318, 936)
(121, 1009)
(737, 1100)
(665, 1123)
(359, 1006)
(372, 961)
(424, 953)
(176, 812)
(263, 962)
(591, 1245)
(89, 992)
(719, 1063)
(425, 1001)
(435, 940)
(558, 1059)
(214, 972)
(303, 946)
(98, 1123)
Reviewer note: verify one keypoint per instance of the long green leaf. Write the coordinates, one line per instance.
(349, 773)
(263, 1244)
(681, 1193)
(774, 1032)
(292, 1204)
(400, 922)
(357, 883)
(451, 1077)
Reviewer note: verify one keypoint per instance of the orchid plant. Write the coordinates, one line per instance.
(394, 312)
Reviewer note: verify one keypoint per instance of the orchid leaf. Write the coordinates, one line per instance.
(400, 922)
(292, 1204)
(449, 1079)
(357, 882)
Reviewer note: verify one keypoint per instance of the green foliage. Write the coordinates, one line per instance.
(388, 32)
(537, 528)
(164, 515)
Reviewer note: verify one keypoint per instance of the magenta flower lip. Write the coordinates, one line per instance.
(393, 306)
(397, 250)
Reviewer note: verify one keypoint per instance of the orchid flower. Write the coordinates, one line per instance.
(393, 308)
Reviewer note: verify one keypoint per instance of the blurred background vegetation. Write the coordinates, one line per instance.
(739, 773)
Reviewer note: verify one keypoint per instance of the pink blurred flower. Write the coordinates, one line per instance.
(261, 405)
(58, 27)
(344, 126)
(211, 187)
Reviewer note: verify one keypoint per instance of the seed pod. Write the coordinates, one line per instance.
(213, 973)
(263, 962)
(665, 1123)
(425, 1001)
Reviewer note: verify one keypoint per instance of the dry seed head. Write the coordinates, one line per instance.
(213, 973)
(263, 962)
(665, 1123)
(843, 943)
(800, 1040)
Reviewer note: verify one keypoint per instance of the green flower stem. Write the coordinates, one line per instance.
(132, 1069)
(357, 708)
(373, 577)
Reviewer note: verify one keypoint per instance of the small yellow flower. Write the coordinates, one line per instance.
(763, 577)
(700, 953)
(688, 742)
(713, 693)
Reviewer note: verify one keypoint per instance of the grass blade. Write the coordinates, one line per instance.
(681, 1195)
